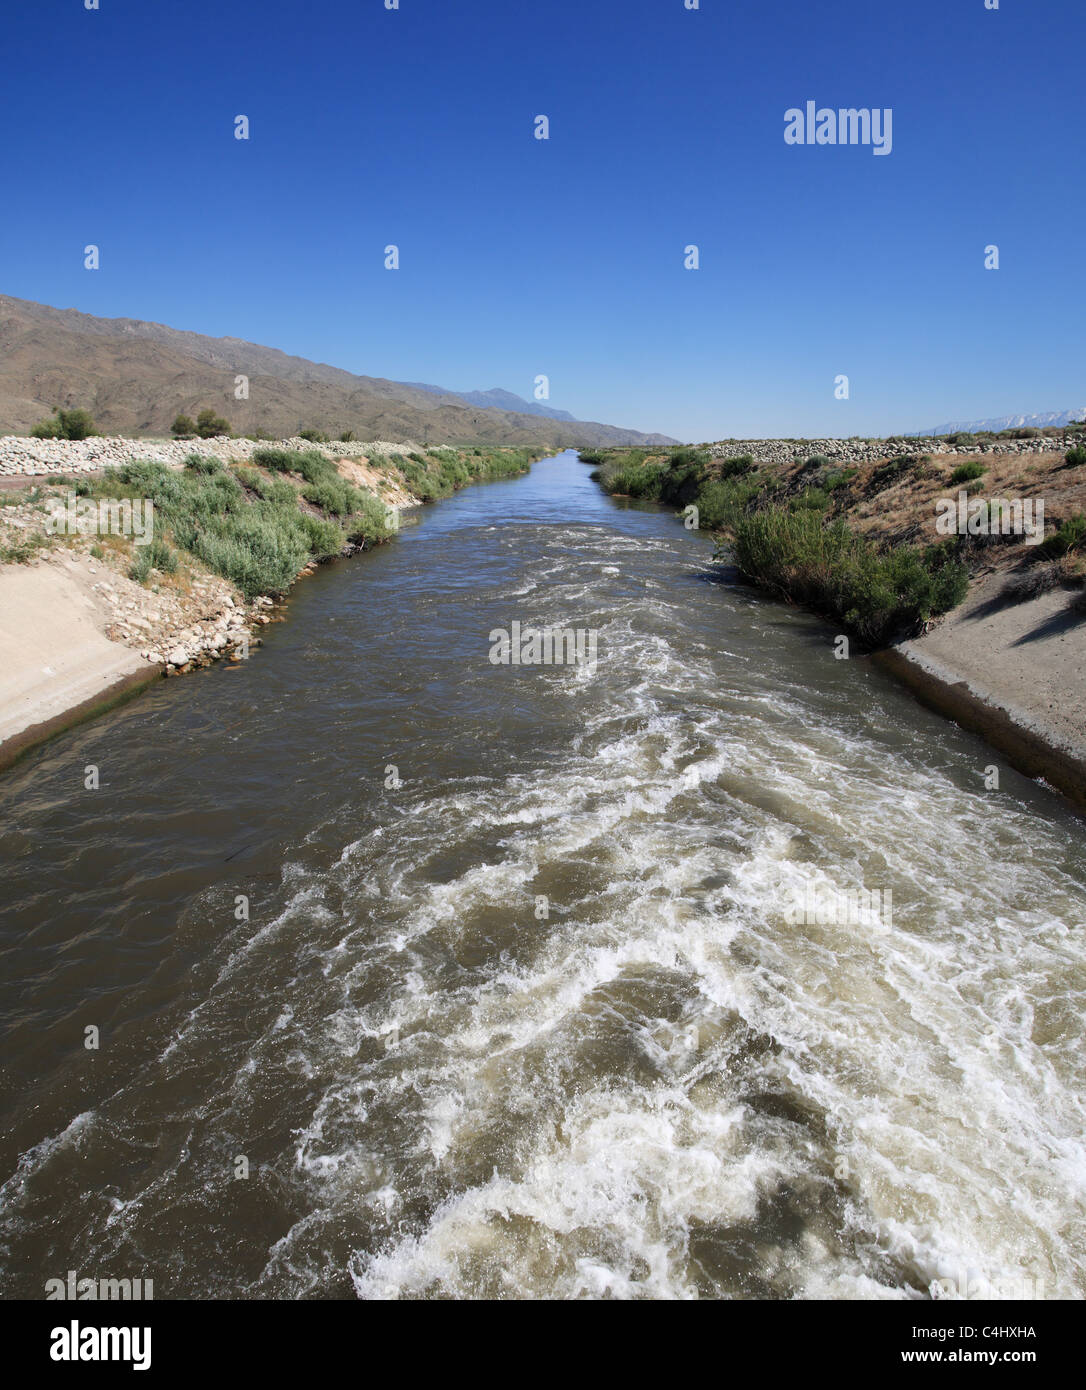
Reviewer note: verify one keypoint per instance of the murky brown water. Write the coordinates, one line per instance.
(654, 1086)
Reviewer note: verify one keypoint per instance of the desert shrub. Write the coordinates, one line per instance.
(261, 544)
(894, 469)
(65, 424)
(736, 467)
(967, 472)
(682, 458)
(77, 424)
(1067, 537)
(208, 424)
(311, 463)
(444, 470)
(877, 594)
(183, 426)
(325, 538)
(276, 460)
(370, 521)
(198, 463)
(313, 436)
(334, 495)
(270, 489)
(679, 482)
(157, 555)
(961, 438)
(1076, 456)
(721, 501)
(635, 480)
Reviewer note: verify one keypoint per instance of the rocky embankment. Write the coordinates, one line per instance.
(860, 451)
(22, 455)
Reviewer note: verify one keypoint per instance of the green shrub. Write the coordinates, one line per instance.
(878, 594)
(335, 496)
(313, 436)
(967, 472)
(77, 424)
(723, 500)
(369, 522)
(812, 499)
(1069, 536)
(197, 463)
(65, 424)
(445, 470)
(737, 467)
(324, 537)
(894, 469)
(682, 458)
(636, 480)
(183, 426)
(157, 555)
(208, 424)
(1076, 456)
(270, 489)
(310, 463)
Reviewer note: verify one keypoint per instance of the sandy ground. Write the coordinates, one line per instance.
(54, 654)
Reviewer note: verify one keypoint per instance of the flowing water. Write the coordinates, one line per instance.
(537, 1022)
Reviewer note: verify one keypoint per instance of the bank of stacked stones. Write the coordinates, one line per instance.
(20, 455)
(858, 451)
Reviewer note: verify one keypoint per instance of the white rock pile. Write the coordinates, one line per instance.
(22, 455)
(846, 451)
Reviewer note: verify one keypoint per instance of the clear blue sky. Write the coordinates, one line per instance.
(565, 257)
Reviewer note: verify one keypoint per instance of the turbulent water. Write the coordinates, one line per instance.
(537, 1022)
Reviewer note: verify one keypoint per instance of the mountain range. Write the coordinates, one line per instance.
(135, 377)
(1009, 422)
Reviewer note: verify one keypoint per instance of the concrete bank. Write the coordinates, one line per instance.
(1014, 674)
